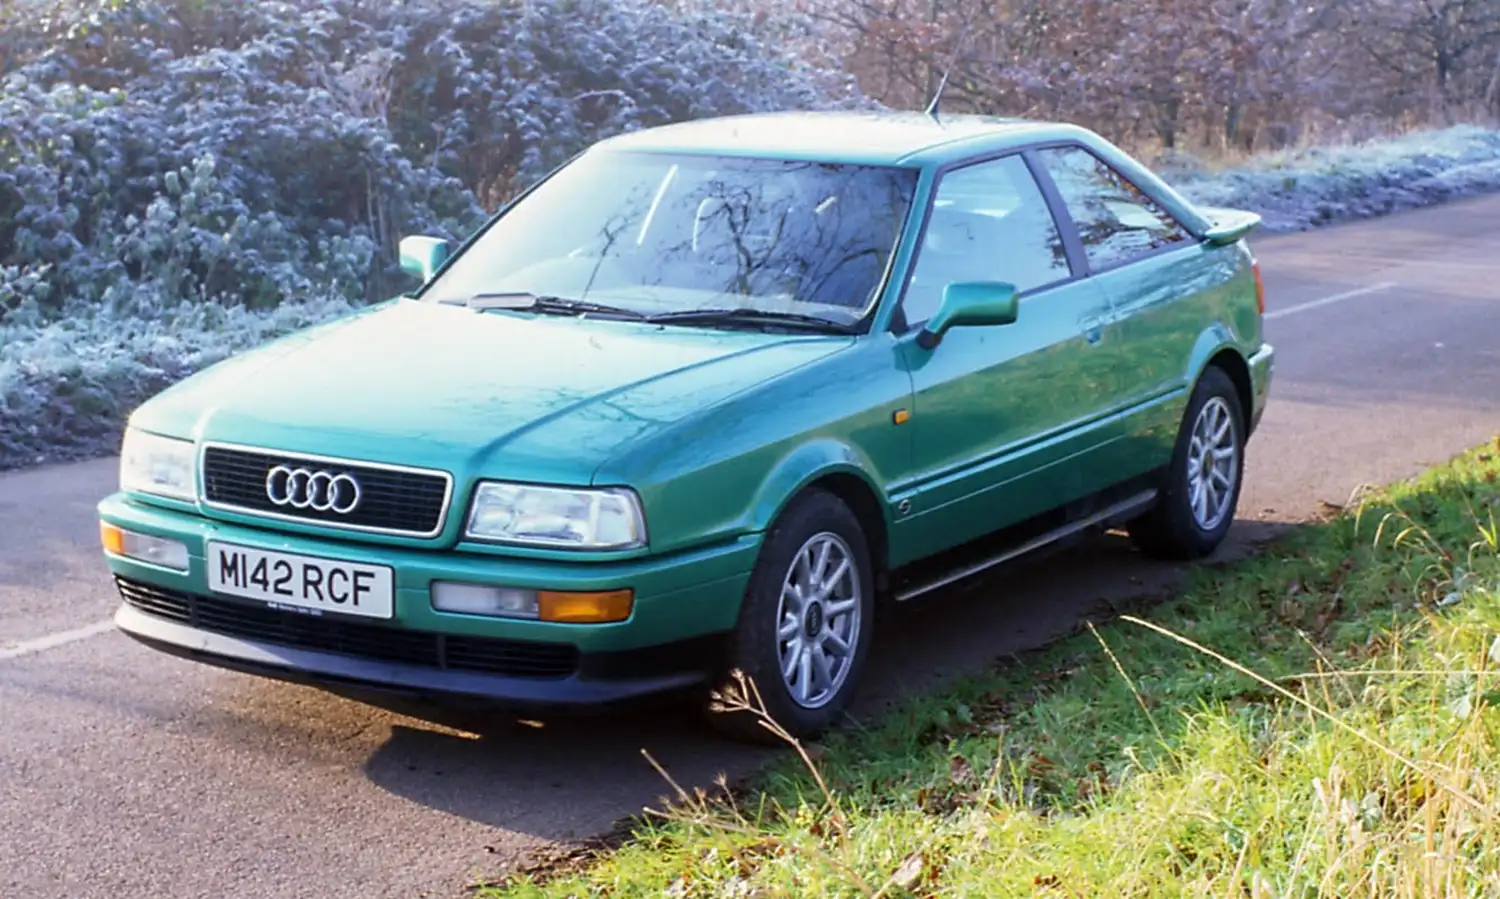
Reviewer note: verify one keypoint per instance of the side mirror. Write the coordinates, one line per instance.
(970, 303)
(421, 256)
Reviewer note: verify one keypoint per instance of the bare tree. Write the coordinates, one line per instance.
(1236, 75)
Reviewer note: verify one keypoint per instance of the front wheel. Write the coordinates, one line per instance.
(805, 626)
(1202, 488)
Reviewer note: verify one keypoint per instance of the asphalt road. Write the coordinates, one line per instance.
(125, 774)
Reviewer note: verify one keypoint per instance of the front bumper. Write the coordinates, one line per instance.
(600, 680)
(1262, 367)
(684, 606)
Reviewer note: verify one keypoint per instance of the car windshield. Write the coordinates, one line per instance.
(655, 234)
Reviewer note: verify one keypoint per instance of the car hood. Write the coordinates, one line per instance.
(494, 394)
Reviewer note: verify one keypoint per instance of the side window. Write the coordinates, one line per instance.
(989, 222)
(1115, 220)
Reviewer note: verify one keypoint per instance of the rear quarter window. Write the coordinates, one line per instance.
(1116, 221)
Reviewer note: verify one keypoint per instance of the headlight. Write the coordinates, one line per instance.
(556, 516)
(158, 465)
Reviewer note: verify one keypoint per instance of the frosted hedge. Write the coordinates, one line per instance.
(1302, 189)
(242, 153)
(172, 171)
(182, 180)
(65, 386)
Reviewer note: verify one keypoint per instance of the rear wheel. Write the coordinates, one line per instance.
(1202, 487)
(805, 625)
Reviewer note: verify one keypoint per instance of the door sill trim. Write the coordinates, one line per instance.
(1124, 507)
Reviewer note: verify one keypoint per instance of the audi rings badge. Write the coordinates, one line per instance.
(320, 491)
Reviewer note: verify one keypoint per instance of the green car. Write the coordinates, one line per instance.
(707, 399)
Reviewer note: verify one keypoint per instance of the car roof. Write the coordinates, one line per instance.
(859, 137)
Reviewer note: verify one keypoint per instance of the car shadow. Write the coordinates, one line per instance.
(560, 780)
(573, 778)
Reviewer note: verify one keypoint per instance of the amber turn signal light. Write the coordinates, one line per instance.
(161, 551)
(112, 537)
(585, 608)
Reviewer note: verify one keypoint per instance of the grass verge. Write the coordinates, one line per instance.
(1316, 721)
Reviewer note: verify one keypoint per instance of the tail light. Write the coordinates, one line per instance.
(1260, 288)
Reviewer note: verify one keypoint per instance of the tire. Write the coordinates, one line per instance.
(1176, 528)
(813, 521)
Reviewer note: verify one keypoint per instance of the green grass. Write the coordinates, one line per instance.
(1360, 759)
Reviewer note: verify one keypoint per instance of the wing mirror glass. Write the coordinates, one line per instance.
(970, 303)
(422, 256)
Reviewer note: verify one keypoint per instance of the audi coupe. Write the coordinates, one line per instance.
(706, 400)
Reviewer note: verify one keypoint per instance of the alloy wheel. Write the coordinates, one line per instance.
(1211, 468)
(818, 620)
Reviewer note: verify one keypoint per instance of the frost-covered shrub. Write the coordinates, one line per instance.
(113, 196)
(66, 387)
(1302, 189)
(184, 179)
(245, 153)
(180, 179)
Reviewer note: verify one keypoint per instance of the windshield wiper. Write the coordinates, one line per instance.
(528, 302)
(750, 317)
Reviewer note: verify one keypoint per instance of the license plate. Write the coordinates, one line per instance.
(302, 583)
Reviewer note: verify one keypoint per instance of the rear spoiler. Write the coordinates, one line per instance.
(1228, 225)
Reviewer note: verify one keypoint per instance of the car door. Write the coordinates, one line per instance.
(1006, 419)
(1161, 284)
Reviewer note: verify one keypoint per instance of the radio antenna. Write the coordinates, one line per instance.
(932, 108)
(937, 98)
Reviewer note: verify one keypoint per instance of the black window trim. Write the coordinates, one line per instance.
(1192, 239)
(1078, 268)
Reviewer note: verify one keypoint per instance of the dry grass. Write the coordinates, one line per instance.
(1319, 721)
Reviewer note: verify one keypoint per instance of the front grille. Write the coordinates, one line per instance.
(235, 618)
(391, 500)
